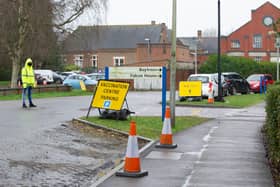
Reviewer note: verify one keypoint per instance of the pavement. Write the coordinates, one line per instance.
(227, 151)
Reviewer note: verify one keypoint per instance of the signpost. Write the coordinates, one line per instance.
(135, 72)
(109, 95)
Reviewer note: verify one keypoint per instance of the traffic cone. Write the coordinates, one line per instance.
(210, 94)
(166, 133)
(132, 161)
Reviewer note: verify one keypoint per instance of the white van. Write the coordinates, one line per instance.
(49, 75)
(206, 79)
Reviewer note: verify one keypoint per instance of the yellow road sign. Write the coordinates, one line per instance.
(190, 88)
(110, 94)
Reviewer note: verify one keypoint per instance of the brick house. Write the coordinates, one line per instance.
(122, 45)
(253, 40)
(200, 46)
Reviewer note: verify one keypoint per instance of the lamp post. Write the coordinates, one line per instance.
(220, 97)
(149, 47)
(277, 44)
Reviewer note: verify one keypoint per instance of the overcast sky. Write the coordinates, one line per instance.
(192, 15)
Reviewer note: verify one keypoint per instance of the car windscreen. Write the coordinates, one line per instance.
(203, 79)
(254, 78)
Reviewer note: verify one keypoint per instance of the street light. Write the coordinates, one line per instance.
(277, 45)
(149, 47)
(220, 97)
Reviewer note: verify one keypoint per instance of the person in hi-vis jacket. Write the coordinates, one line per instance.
(28, 82)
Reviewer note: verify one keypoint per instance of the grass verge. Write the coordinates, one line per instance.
(47, 95)
(149, 127)
(234, 101)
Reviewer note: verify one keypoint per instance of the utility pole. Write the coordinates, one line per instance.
(173, 66)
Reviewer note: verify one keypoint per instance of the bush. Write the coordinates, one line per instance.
(272, 130)
(241, 65)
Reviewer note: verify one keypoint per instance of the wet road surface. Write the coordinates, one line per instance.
(37, 150)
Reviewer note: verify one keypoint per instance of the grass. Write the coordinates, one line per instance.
(149, 127)
(234, 101)
(47, 95)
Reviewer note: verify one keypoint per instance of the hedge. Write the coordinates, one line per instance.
(241, 65)
(272, 130)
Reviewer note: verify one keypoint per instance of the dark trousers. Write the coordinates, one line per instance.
(29, 92)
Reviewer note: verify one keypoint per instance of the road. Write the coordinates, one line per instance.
(38, 147)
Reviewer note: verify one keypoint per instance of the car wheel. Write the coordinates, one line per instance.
(182, 99)
(58, 81)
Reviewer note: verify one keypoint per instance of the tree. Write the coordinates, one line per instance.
(27, 26)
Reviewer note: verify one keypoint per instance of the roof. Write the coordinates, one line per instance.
(209, 44)
(88, 38)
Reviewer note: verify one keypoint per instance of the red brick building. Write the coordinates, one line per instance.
(123, 45)
(253, 40)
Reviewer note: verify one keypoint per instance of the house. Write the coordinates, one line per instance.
(123, 45)
(200, 47)
(253, 39)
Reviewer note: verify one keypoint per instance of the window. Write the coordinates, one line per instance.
(118, 60)
(235, 44)
(94, 61)
(258, 58)
(257, 41)
(78, 60)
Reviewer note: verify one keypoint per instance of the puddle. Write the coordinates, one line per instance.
(70, 155)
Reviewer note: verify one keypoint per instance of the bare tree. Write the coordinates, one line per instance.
(27, 26)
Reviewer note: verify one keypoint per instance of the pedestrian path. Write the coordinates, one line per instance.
(227, 151)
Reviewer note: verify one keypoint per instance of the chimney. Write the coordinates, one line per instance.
(199, 34)
(153, 22)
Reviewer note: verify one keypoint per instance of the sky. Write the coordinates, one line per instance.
(192, 15)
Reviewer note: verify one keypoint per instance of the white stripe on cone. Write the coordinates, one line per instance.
(166, 127)
(132, 147)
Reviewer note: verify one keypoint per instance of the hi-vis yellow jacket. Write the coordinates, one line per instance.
(27, 74)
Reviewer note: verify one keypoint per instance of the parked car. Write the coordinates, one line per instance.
(236, 83)
(49, 76)
(96, 76)
(74, 81)
(254, 81)
(206, 79)
(66, 74)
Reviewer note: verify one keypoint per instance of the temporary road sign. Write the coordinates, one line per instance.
(190, 88)
(110, 94)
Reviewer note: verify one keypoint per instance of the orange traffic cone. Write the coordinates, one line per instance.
(166, 133)
(210, 94)
(132, 162)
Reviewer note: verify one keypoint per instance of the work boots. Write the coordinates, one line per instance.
(32, 105)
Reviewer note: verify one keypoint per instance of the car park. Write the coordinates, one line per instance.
(255, 79)
(75, 79)
(236, 83)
